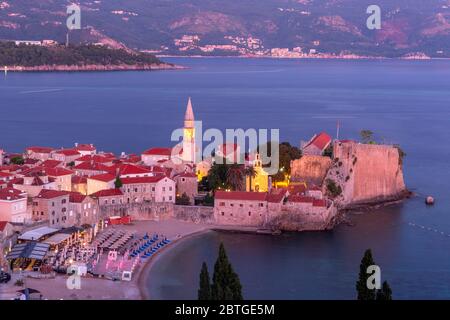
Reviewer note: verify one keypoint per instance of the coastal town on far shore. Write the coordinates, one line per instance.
(108, 216)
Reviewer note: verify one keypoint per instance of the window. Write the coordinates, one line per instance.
(153, 188)
(183, 179)
(223, 213)
(241, 205)
(249, 213)
(53, 213)
(261, 205)
(222, 204)
(89, 205)
(113, 201)
(231, 204)
(170, 198)
(164, 188)
(135, 189)
(63, 201)
(170, 188)
(53, 204)
(63, 209)
(164, 199)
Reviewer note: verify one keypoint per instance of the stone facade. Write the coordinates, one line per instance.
(187, 183)
(53, 206)
(366, 173)
(310, 169)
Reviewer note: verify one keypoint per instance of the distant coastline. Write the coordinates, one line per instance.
(93, 68)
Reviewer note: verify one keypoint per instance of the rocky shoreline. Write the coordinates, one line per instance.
(94, 67)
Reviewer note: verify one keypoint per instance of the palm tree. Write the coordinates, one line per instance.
(235, 177)
(250, 172)
(217, 176)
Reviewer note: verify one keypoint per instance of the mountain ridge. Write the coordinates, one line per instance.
(247, 27)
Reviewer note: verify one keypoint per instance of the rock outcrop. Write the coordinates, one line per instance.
(365, 174)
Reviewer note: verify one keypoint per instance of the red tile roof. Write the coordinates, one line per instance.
(127, 168)
(187, 175)
(302, 199)
(276, 196)
(158, 151)
(10, 194)
(68, 152)
(85, 147)
(50, 163)
(76, 197)
(136, 180)
(39, 149)
(319, 203)
(321, 141)
(79, 179)
(50, 194)
(95, 158)
(107, 193)
(105, 177)
(58, 172)
(241, 195)
(94, 166)
(3, 225)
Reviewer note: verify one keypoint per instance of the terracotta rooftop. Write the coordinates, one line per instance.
(107, 193)
(142, 179)
(321, 141)
(50, 194)
(158, 152)
(37, 149)
(105, 177)
(241, 195)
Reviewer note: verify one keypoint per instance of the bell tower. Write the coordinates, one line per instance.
(189, 134)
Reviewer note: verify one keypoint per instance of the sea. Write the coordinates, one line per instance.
(402, 102)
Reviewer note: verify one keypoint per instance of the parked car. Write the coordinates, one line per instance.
(5, 277)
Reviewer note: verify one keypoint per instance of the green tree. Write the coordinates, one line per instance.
(287, 153)
(17, 160)
(217, 176)
(184, 200)
(366, 136)
(204, 292)
(385, 293)
(365, 293)
(226, 284)
(235, 177)
(118, 183)
(71, 164)
(208, 200)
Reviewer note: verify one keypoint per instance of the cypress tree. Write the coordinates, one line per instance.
(204, 292)
(226, 284)
(365, 293)
(385, 293)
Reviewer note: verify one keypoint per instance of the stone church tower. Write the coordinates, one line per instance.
(189, 134)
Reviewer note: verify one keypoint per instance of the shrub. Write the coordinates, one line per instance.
(333, 189)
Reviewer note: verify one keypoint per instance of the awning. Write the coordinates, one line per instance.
(57, 238)
(31, 250)
(38, 233)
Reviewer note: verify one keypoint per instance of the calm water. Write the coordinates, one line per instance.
(405, 102)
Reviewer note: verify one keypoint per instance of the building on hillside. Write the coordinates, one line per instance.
(33, 181)
(127, 170)
(154, 155)
(108, 197)
(85, 149)
(13, 206)
(187, 182)
(96, 158)
(90, 168)
(50, 163)
(62, 178)
(83, 209)
(39, 153)
(154, 189)
(66, 155)
(52, 205)
(317, 145)
(79, 184)
(240, 208)
(100, 182)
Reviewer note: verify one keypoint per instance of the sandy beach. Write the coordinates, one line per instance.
(103, 289)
